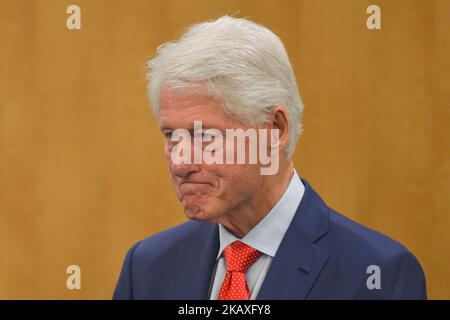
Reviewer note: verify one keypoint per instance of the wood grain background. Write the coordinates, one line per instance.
(82, 173)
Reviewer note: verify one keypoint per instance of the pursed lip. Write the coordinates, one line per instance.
(192, 182)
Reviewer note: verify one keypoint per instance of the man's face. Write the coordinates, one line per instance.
(208, 192)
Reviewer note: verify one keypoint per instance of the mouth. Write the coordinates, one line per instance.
(192, 183)
(189, 184)
(194, 187)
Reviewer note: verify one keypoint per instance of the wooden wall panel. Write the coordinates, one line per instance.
(82, 174)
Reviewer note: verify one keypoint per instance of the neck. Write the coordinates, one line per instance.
(242, 220)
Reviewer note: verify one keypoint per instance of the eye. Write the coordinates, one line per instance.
(168, 135)
(173, 136)
(207, 136)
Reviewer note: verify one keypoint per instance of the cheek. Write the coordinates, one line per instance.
(239, 180)
(169, 166)
(167, 154)
(174, 181)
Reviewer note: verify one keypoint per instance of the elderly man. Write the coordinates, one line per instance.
(254, 232)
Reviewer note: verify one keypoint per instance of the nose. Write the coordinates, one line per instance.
(184, 170)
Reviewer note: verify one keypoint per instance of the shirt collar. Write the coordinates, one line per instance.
(266, 236)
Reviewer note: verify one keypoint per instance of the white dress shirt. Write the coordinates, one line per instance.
(265, 237)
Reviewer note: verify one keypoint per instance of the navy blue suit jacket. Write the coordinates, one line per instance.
(323, 255)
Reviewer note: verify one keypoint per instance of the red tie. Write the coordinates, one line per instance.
(239, 257)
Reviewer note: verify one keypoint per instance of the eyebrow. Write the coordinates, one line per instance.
(166, 126)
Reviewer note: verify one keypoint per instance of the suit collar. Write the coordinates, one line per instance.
(312, 216)
(299, 260)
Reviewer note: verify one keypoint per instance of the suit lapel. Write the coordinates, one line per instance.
(299, 260)
(195, 262)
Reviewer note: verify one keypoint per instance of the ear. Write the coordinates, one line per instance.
(279, 120)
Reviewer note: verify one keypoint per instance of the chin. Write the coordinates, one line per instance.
(197, 213)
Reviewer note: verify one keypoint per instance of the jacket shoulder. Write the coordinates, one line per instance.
(357, 250)
(360, 239)
(168, 239)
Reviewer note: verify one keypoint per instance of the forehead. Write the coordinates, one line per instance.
(180, 108)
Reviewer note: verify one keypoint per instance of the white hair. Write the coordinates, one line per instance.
(243, 64)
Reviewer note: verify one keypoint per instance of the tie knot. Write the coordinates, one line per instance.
(240, 257)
